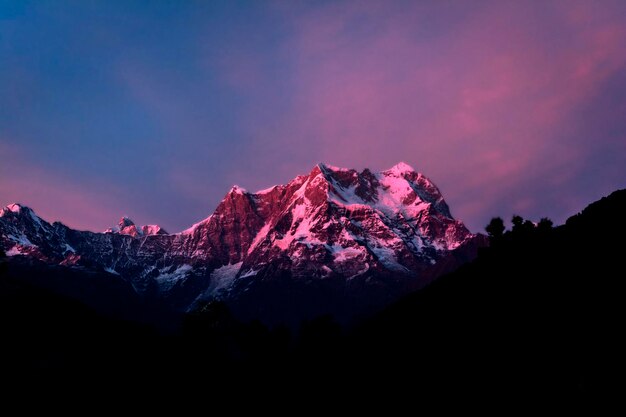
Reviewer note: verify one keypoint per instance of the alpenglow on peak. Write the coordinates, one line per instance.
(378, 234)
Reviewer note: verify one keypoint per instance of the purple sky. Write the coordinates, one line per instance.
(154, 109)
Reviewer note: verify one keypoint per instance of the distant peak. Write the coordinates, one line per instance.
(400, 168)
(127, 227)
(327, 167)
(323, 167)
(327, 172)
(320, 172)
(238, 190)
(15, 208)
(153, 229)
(125, 222)
(266, 190)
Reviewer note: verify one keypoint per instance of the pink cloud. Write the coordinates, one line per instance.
(86, 206)
(480, 107)
(505, 105)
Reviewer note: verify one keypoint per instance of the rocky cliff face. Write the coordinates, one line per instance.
(334, 240)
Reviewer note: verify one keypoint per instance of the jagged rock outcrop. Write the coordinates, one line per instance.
(334, 239)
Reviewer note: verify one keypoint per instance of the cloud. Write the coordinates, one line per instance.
(487, 102)
(507, 106)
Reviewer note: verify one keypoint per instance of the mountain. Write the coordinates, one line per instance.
(333, 241)
(127, 227)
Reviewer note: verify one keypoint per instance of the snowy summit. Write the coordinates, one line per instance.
(388, 230)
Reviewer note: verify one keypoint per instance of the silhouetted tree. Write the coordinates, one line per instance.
(320, 334)
(528, 226)
(521, 226)
(495, 229)
(518, 223)
(544, 225)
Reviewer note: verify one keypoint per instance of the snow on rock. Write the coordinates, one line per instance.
(387, 257)
(262, 234)
(249, 273)
(168, 277)
(23, 246)
(14, 251)
(224, 276)
(399, 169)
(21, 240)
(385, 218)
(303, 218)
(238, 190)
(341, 253)
(125, 222)
(222, 279)
(332, 222)
(152, 229)
(266, 191)
(196, 226)
(18, 209)
(15, 208)
(127, 227)
(328, 167)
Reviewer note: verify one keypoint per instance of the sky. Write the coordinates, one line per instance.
(154, 109)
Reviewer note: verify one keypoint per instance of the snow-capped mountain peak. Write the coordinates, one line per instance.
(125, 222)
(238, 190)
(20, 211)
(15, 208)
(332, 225)
(400, 169)
(127, 227)
(152, 229)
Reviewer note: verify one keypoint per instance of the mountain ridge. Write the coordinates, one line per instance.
(336, 227)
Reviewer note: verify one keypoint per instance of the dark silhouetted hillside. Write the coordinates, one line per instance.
(539, 312)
